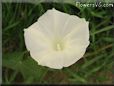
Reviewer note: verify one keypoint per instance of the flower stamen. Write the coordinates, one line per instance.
(59, 47)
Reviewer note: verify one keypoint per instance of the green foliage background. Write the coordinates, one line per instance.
(18, 67)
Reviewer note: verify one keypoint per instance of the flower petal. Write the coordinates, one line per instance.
(77, 28)
(35, 41)
(52, 22)
(52, 60)
(74, 52)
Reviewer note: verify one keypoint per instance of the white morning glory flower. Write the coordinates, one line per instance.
(57, 39)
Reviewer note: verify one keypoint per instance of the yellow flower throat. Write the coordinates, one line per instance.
(58, 45)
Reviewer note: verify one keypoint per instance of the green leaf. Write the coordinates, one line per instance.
(27, 67)
(96, 14)
(30, 68)
(13, 76)
(92, 71)
(98, 67)
(11, 26)
(108, 39)
(91, 61)
(103, 30)
(12, 60)
(28, 80)
(75, 76)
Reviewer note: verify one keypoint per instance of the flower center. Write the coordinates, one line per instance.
(58, 45)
